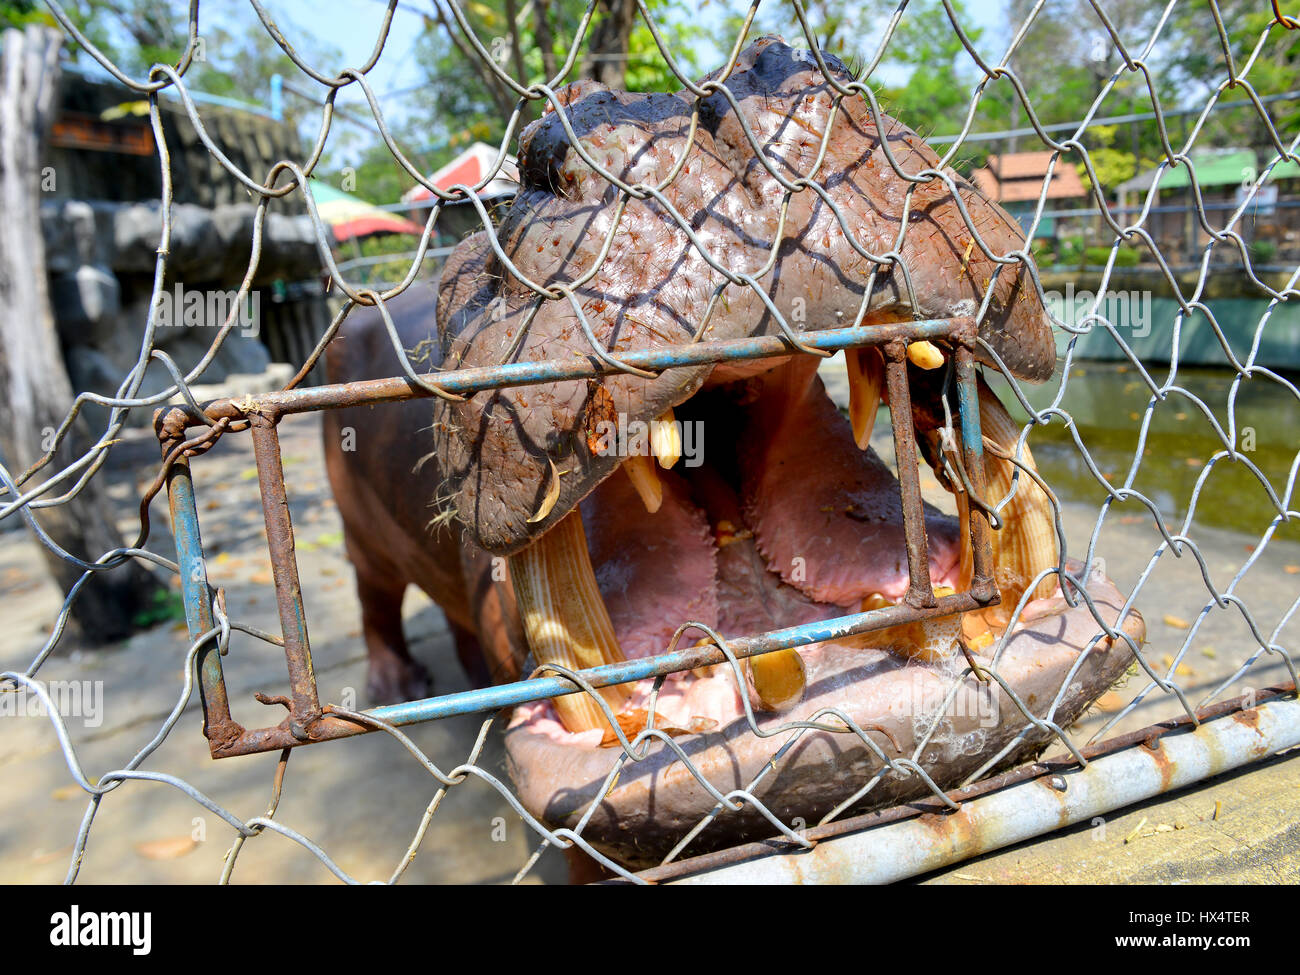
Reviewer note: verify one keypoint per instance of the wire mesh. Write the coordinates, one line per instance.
(26, 494)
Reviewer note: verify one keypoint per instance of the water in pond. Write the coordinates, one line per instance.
(1109, 405)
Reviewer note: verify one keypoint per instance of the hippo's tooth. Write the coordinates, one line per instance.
(564, 617)
(779, 679)
(1026, 544)
(925, 355)
(641, 471)
(866, 378)
(552, 495)
(666, 439)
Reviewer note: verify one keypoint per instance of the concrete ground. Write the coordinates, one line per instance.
(362, 799)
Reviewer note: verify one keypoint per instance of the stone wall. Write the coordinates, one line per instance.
(100, 259)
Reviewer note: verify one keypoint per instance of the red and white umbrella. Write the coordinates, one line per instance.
(351, 217)
(469, 169)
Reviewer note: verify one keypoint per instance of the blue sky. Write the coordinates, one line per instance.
(351, 25)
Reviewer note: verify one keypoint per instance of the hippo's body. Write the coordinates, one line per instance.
(385, 483)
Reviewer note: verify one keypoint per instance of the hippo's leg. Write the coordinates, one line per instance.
(470, 653)
(393, 674)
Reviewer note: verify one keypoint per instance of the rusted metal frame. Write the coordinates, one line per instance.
(471, 380)
(920, 592)
(308, 722)
(305, 705)
(1241, 708)
(982, 585)
(218, 727)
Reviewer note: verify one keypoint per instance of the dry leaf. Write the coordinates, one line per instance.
(51, 855)
(1177, 622)
(170, 848)
(633, 722)
(1110, 701)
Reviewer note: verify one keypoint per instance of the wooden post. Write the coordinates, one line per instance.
(35, 392)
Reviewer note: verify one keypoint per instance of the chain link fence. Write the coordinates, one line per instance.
(30, 491)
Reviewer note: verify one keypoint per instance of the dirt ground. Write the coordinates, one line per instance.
(362, 799)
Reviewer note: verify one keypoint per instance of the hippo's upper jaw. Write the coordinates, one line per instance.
(649, 269)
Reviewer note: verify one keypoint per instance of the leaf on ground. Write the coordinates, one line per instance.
(1177, 622)
(170, 848)
(1110, 701)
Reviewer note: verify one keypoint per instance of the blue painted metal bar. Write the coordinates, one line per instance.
(538, 688)
(972, 444)
(217, 724)
(472, 380)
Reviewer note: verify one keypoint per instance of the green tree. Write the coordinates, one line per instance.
(463, 100)
(1200, 64)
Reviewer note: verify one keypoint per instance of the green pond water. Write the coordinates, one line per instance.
(1109, 403)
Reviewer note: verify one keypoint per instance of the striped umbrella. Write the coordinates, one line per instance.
(351, 217)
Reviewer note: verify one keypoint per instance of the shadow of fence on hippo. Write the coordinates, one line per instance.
(866, 735)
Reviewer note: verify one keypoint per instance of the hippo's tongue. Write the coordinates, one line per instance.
(786, 521)
(826, 516)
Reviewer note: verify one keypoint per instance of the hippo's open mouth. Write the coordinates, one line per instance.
(736, 496)
(757, 511)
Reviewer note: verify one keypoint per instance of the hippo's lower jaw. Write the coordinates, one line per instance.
(937, 714)
(775, 517)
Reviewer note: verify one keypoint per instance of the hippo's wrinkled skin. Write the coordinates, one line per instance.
(654, 284)
(432, 492)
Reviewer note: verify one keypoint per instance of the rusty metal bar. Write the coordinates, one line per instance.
(471, 380)
(218, 727)
(1152, 762)
(920, 592)
(284, 569)
(982, 584)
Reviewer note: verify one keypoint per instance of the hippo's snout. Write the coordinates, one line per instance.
(650, 269)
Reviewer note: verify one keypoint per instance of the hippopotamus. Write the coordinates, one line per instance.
(585, 521)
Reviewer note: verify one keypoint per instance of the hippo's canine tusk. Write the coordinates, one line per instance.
(866, 378)
(641, 471)
(1026, 545)
(564, 617)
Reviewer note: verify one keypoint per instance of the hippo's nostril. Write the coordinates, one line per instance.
(541, 157)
